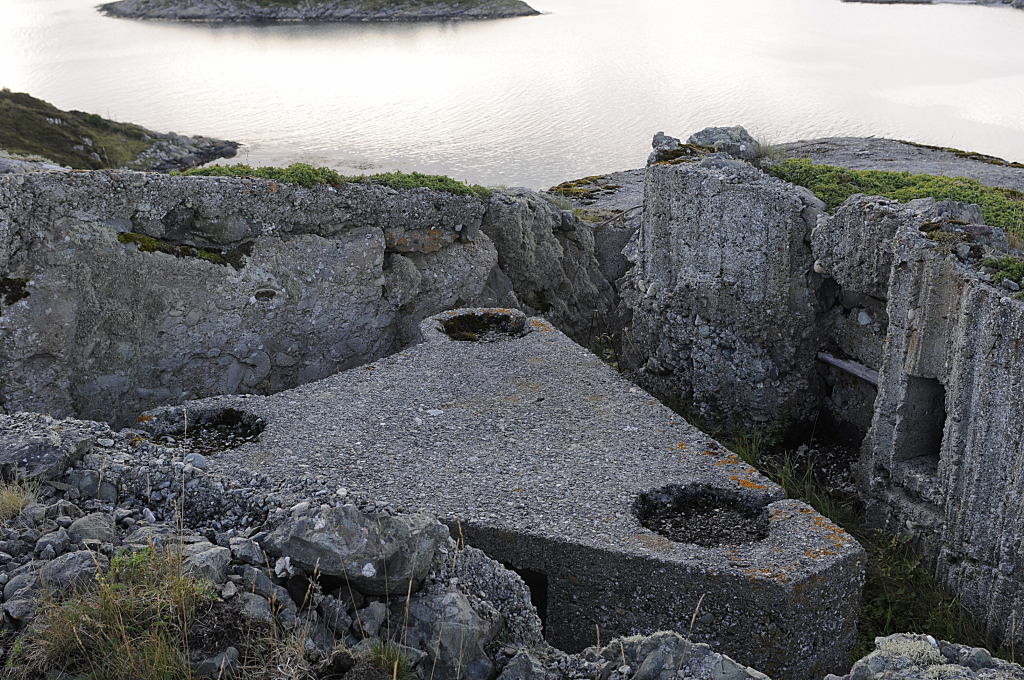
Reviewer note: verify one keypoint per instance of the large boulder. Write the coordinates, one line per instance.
(735, 141)
(378, 554)
(454, 634)
(72, 569)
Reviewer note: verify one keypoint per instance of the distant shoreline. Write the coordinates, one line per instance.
(1017, 4)
(322, 11)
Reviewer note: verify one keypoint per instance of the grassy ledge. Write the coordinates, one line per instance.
(1003, 208)
(73, 138)
(308, 176)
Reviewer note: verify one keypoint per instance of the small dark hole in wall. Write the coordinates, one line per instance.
(483, 327)
(12, 290)
(265, 295)
(922, 420)
(537, 582)
(702, 516)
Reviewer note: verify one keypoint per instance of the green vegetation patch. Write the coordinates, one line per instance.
(684, 154)
(303, 174)
(132, 623)
(81, 140)
(1008, 267)
(148, 244)
(585, 187)
(1003, 208)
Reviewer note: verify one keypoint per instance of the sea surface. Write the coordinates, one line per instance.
(534, 101)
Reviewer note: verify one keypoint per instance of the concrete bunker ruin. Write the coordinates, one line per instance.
(538, 453)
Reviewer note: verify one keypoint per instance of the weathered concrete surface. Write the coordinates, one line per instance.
(722, 292)
(537, 453)
(327, 279)
(941, 457)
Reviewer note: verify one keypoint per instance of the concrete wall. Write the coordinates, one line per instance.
(942, 458)
(722, 293)
(321, 280)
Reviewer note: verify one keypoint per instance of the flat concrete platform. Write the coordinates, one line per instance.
(547, 459)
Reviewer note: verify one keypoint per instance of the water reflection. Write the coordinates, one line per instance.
(536, 100)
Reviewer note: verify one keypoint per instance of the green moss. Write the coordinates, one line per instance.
(1008, 267)
(34, 127)
(684, 154)
(1003, 208)
(412, 180)
(585, 187)
(308, 176)
(148, 244)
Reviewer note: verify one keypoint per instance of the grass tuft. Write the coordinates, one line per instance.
(305, 175)
(15, 496)
(388, 657)
(132, 623)
(1003, 208)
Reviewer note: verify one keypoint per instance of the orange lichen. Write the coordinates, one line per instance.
(681, 446)
(540, 325)
(747, 483)
(815, 553)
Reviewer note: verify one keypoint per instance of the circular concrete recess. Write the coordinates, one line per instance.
(213, 430)
(702, 515)
(484, 325)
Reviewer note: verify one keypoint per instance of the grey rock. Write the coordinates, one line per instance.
(21, 583)
(329, 11)
(369, 619)
(735, 141)
(49, 452)
(334, 614)
(454, 634)
(379, 555)
(220, 667)
(98, 526)
(553, 271)
(723, 305)
(253, 607)
(207, 561)
(72, 569)
(56, 541)
(247, 551)
(524, 666)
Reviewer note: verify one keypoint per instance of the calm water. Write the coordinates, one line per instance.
(534, 101)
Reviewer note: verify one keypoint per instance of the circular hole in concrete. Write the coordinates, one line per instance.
(702, 515)
(484, 326)
(212, 431)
